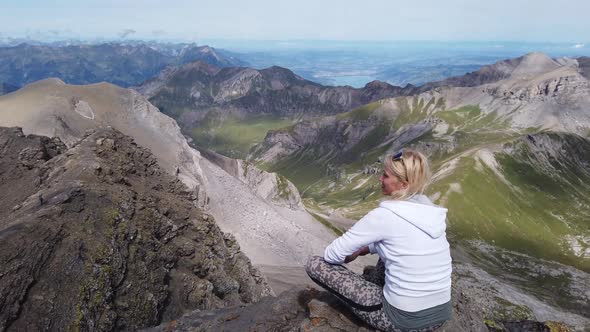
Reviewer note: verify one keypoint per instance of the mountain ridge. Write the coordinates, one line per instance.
(244, 88)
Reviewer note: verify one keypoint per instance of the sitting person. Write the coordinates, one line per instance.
(407, 231)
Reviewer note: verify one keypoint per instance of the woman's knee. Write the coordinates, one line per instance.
(313, 265)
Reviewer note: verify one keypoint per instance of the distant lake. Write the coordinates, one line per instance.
(354, 81)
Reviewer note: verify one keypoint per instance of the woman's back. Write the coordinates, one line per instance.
(416, 254)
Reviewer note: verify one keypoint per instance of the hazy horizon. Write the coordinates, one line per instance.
(265, 20)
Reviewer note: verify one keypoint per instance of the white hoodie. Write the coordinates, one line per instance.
(409, 236)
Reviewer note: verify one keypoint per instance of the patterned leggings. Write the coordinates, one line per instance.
(363, 295)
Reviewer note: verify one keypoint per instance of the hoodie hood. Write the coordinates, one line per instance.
(420, 212)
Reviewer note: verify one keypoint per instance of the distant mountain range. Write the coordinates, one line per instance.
(200, 86)
(7, 88)
(121, 64)
(276, 90)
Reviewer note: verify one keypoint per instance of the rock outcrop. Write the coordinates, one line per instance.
(98, 237)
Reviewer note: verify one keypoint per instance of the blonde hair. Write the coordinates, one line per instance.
(412, 167)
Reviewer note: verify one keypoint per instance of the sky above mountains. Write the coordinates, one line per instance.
(432, 20)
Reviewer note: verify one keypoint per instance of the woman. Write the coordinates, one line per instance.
(407, 231)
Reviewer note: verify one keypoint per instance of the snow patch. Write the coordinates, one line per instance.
(361, 183)
(487, 158)
(453, 188)
(579, 244)
(84, 109)
(440, 129)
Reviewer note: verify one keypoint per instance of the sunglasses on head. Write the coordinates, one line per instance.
(398, 156)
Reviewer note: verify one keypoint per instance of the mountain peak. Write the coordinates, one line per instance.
(201, 66)
(377, 84)
(281, 74)
(535, 63)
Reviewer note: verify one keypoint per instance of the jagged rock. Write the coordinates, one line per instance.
(104, 239)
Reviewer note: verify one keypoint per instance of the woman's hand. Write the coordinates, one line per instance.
(361, 252)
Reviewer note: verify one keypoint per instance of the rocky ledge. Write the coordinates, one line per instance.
(477, 307)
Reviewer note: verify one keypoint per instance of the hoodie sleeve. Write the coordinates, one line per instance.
(365, 232)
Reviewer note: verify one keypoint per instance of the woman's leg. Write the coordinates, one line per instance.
(363, 297)
(375, 274)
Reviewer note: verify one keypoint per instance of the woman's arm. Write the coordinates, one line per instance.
(366, 231)
(361, 252)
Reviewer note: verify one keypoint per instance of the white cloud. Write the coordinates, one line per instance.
(579, 45)
(126, 33)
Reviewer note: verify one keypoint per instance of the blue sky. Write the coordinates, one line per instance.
(432, 20)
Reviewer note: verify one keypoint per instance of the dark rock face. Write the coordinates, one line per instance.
(123, 65)
(100, 238)
(584, 63)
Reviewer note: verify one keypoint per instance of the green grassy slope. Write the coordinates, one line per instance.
(526, 202)
(233, 137)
